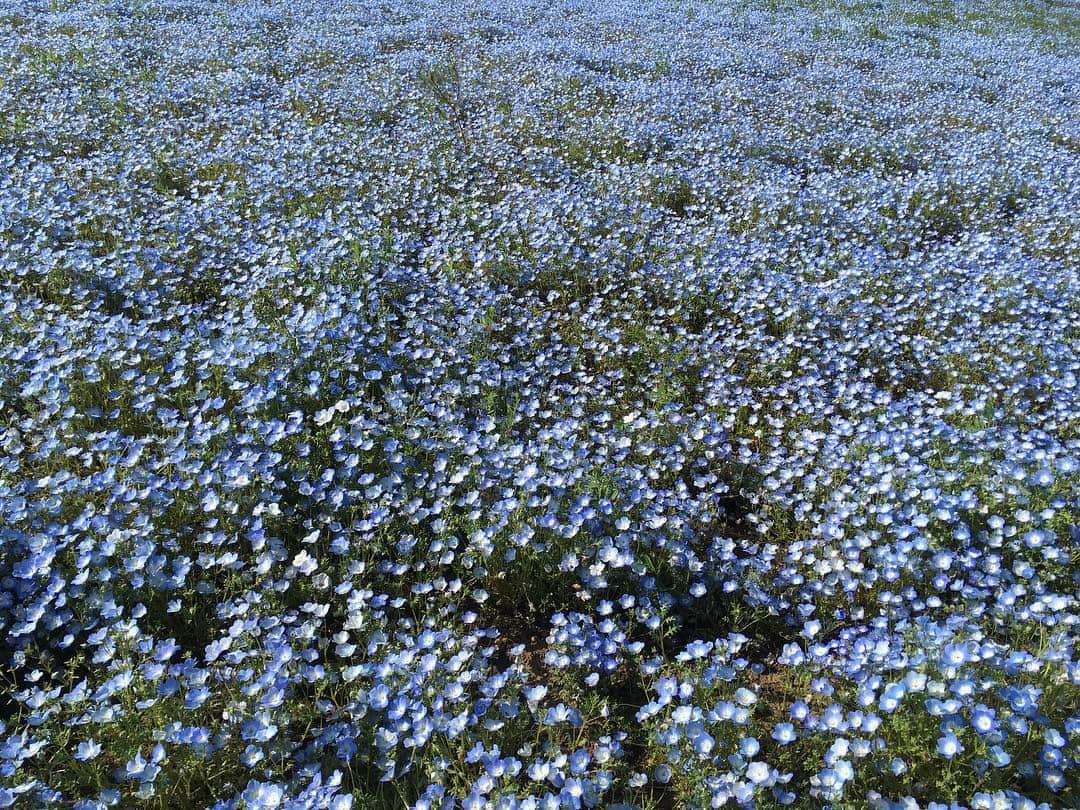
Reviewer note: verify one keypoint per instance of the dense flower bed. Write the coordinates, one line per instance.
(535, 405)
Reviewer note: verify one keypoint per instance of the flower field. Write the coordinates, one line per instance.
(659, 404)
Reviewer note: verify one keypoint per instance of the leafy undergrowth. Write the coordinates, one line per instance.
(532, 405)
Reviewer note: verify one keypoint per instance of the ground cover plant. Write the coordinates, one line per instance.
(539, 405)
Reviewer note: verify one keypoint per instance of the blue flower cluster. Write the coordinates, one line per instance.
(531, 405)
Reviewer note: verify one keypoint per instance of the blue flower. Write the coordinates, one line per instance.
(561, 713)
(87, 750)
(262, 796)
(783, 733)
(948, 745)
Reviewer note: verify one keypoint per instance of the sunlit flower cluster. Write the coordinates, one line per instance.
(539, 405)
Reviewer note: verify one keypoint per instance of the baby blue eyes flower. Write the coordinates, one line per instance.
(748, 747)
(262, 796)
(1043, 478)
(983, 719)
(638, 780)
(784, 733)
(135, 767)
(252, 756)
(666, 688)
(757, 772)
(579, 761)
(534, 694)
(561, 713)
(87, 750)
(259, 728)
(949, 745)
(648, 710)
(891, 697)
(698, 649)
(682, 714)
(915, 681)
(379, 696)
(210, 501)
(791, 655)
(745, 696)
(704, 744)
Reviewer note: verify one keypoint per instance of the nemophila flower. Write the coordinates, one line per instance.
(983, 719)
(1053, 778)
(949, 745)
(745, 697)
(534, 694)
(87, 750)
(259, 728)
(998, 757)
(891, 697)
(915, 681)
(539, 771)
(704, 744)
(791, 655)
(682, 714)
(262, 796)
(561, 713)
(748, 747)
(253, 755)
(758, 773)
(783, 733)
